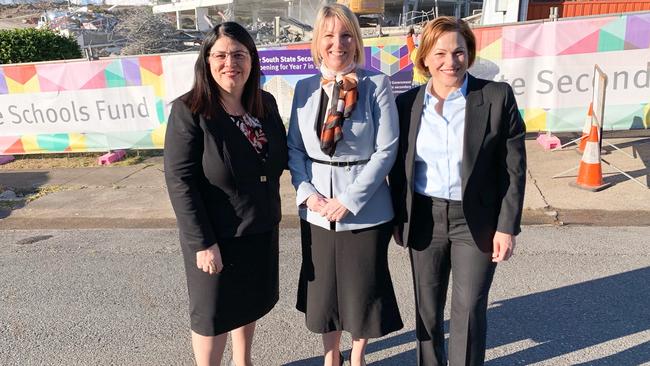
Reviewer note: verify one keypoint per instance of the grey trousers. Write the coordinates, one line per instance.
(440, 244)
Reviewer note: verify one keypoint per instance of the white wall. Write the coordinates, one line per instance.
(503, 11)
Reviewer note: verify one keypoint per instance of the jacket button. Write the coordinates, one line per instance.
(263, 178)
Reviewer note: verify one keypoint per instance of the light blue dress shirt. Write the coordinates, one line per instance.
(439, 146)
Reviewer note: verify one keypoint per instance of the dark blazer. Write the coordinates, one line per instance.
(493, 167)
(218, 185)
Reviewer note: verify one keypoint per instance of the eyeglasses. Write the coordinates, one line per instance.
(236, 56)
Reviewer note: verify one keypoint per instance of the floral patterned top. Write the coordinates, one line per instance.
(252, 130)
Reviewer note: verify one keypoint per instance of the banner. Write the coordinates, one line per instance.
(124, 102)
(550, 67)
(100, 111)
(82, 106)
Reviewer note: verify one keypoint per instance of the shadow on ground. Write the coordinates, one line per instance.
(555, 323)
(640, 150)
(21, 183)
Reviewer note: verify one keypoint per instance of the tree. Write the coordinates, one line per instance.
(32, 45)
(145, 32)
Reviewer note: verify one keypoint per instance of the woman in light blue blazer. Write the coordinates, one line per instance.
(342, 139)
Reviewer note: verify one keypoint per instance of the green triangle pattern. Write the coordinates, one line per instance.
(130, 140)
(114, 75)
(617, 117)
(612, 36)
(160, 109)
(96, 142)
(54, 142)
(565, 119)
(623, 117)
(146, 142)
(616, 27)
(609, 42)
(114, 81)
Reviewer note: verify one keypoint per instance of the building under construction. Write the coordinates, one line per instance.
(299, 14)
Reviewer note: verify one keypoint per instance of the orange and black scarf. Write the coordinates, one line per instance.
(341, 88)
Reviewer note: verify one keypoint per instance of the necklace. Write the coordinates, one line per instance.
(239, 111)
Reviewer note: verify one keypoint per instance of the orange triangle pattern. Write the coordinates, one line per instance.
(152, 64)
(487, 36)
(15, 148)
(20, 74)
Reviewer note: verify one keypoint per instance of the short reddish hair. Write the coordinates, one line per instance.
(434, 29)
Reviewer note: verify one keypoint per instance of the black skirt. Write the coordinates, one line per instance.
(244, 291)
(345, 282)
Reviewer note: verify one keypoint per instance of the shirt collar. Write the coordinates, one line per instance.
(453, 95)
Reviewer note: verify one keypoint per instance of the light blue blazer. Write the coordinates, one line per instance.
(371, 132)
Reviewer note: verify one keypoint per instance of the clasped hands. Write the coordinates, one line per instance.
(330, 208)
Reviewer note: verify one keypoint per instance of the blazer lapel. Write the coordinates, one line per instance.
(414, 126)
(476, 119)
(312, 108)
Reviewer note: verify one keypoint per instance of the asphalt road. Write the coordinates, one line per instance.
(569, 296)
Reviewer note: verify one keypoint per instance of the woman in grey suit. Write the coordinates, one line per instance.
(342, 143)
(458, 189)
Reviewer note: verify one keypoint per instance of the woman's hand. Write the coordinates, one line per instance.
(316, 202)
(209, 260)
(503, 246)
(334, 210)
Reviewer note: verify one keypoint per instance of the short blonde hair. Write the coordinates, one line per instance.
(349, 20)
(434, 29)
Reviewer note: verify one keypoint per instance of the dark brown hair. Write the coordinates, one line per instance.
(204, 98)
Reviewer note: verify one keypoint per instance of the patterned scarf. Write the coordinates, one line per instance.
(252, 130)
(341, 88)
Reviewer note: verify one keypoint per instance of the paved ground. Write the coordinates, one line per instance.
(135, 196)
(569, 296)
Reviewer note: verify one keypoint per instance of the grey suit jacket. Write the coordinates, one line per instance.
(371, 132)
(493, 166)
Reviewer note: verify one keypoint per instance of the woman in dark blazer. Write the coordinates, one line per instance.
(225, 150)
(458, 190)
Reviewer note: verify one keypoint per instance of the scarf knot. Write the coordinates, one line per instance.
(341, 88)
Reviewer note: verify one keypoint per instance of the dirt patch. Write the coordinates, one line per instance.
(81, 160)
(21, 15)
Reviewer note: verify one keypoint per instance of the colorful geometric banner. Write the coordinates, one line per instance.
(113, 91)
(550, 67)
(548, 64)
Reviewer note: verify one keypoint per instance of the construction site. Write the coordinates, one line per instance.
(102, 27)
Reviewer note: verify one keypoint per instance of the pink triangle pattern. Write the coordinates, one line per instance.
(572, 34)
(589, 44)
(50, 77)
(512, 50)
(96, 82)
(47, 85)
(72, 79)
(523, 41)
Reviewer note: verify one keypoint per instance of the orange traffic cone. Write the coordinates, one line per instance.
(590, 173)
(586, 130)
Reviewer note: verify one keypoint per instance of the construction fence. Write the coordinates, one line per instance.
(123, 102)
